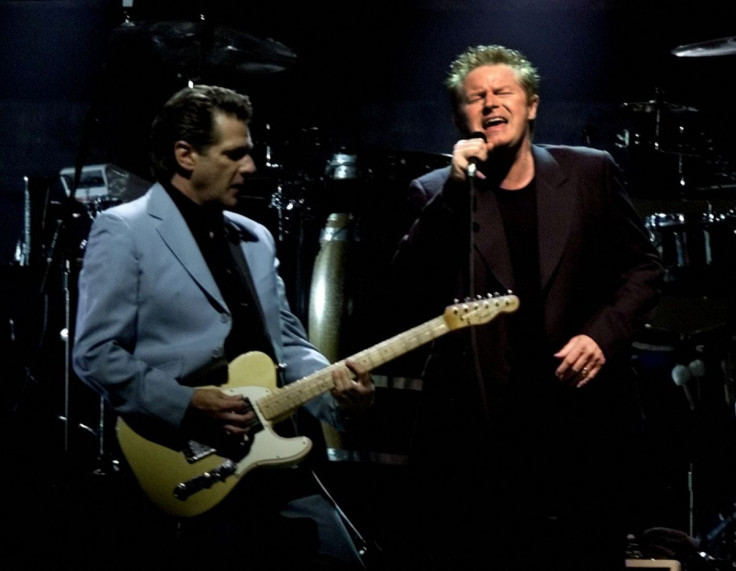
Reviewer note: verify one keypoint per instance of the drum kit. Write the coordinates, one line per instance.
(683, 185)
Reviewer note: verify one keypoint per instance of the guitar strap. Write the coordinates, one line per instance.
(255, 316)
(358, 540)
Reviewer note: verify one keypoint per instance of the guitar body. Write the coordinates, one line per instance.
(160, 469)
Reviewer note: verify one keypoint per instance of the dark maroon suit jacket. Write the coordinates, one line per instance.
(600, 276)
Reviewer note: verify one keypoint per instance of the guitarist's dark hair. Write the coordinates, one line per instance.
(189, 116)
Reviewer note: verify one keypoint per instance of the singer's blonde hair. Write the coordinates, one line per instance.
(477, 56)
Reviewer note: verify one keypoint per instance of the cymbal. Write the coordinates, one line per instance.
(654, 105)
(245, 52)
(196, 47)
(717, 47)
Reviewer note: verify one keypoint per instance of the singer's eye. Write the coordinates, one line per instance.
(475, 97)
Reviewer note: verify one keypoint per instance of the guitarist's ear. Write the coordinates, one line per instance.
(186, 158)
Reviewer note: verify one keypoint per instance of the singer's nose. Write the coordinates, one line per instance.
(491, 100)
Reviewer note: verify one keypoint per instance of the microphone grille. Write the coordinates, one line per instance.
(697, 368)
(680, 374)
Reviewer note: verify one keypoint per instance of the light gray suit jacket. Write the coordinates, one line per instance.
(150, 312)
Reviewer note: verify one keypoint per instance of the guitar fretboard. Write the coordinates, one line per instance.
(283, 403)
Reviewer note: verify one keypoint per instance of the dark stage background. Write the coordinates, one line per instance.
(349, 107)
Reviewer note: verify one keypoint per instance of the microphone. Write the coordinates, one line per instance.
(697, 368)
(473, 161)
(681, 375)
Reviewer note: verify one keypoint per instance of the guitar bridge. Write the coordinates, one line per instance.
(195, 451)
(205, 480)
(233, 447)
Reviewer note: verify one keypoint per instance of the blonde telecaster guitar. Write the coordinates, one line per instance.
(189, 481)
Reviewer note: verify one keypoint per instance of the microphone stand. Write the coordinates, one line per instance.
(472, 226)
(472, 209)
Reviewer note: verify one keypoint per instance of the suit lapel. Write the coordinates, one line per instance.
(555, 211)
(179, 240)
(245, 262)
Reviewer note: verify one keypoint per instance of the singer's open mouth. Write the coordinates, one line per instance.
(493, 122)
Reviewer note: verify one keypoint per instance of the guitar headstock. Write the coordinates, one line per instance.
(479, 310)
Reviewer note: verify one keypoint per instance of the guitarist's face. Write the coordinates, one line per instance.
(218, 172)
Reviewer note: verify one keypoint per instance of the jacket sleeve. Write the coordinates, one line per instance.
(635, 264)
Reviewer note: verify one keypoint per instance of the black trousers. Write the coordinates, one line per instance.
(277, 519)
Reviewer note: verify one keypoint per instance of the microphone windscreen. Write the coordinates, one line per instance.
(697, 368)
(680, 374)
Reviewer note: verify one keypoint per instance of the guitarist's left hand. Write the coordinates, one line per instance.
(354, 390)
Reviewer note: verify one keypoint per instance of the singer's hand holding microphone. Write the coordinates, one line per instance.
(466, 155)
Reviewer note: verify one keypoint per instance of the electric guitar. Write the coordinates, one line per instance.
(191, 480)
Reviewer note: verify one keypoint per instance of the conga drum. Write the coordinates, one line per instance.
(334, 286)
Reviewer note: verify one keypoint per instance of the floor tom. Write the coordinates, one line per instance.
(696, 245)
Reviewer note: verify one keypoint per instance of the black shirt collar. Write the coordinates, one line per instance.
(201, 219)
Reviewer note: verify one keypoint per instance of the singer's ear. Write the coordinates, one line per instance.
(533, 106)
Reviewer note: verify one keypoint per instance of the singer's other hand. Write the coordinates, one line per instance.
(581, 360)
(464, 152)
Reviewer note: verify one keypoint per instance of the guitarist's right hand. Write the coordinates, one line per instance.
(230, 412)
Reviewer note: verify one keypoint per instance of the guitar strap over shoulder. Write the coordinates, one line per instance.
(241, 266)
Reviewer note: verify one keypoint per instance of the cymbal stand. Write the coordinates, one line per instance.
(657, 128)
(658, 98)
(62, 252)
(691, 498)
(64, 333)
